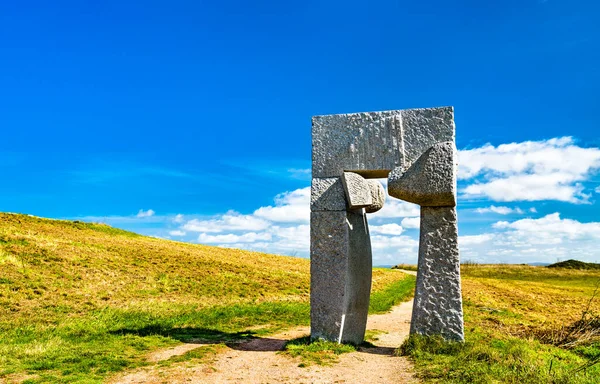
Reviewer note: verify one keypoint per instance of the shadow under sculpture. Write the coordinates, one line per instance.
(415, 149)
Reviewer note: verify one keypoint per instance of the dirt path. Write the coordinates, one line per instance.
(257, 361)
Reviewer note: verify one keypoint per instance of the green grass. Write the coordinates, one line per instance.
(393, 294)
(80, 302)
(509, 312)
(318, 352)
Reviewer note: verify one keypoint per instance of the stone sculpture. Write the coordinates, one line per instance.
(415, 149)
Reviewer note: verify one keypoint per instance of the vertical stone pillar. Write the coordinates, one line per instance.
(341, 268)
(437, 308)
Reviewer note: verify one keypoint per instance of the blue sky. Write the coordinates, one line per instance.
(192, 121)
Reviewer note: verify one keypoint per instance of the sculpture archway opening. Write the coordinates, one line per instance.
(415, 150)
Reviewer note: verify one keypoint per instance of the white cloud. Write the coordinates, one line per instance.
(386, 229)
(553, 226)
(177, 233)
(290, 207)
(230, 221)
(411, 222)
(532, 210)
(178, 219)
(499, 210)
(597, 190)
(249, 237)
(148, 213)
(474, 239)
(529, 171)
(534, 240)
(394, 208)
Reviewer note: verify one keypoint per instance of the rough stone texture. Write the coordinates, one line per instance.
(430, 181)
(374, 143)
(371, 145)
(341, 267)
(327, 194)
(437, 308)
(370, 141)
(421, 128)
(358, 192)
(377, 195)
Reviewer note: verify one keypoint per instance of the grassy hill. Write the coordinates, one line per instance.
(81, 301)
(574, 264)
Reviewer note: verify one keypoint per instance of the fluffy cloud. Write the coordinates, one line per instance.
(394, 208)
(529, 171)
(290, 207)
(552, 226)
(230, 221)
(386, 229)
(177, 233)
(147, 213)
(544, 239)
(597, 190)
(249, 237)
(178, 219)
(411, 222)
(499, 210)
(474, 239)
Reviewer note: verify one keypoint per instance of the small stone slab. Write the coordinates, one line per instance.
(358, 192)
(430, 181)
(377, 196)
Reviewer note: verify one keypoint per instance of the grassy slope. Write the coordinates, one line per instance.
(79, 301)
(512, 314)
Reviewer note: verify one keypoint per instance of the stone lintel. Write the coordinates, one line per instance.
(373, 143)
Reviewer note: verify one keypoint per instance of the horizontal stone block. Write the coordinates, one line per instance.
(367, 143)
(373, 143)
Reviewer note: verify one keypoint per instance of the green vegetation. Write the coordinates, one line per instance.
(393, 294)
(523, 325)
(574, 264)
(318, 352)
(80, 302)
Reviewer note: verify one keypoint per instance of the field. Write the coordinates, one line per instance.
(80, 302)
(523, 325)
